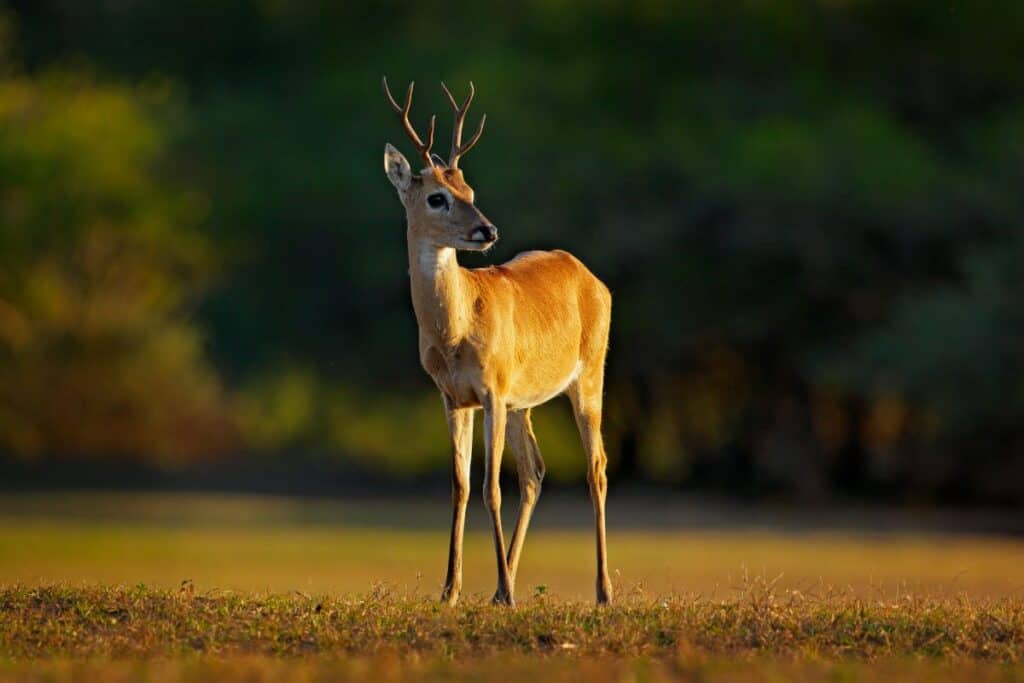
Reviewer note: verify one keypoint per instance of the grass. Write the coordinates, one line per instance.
(112, 588)
(57, 631)
(58, 621)
(261, 544)
(255, 668)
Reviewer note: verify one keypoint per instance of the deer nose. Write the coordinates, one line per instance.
(484, 233)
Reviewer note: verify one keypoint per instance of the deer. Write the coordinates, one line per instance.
(503, 339)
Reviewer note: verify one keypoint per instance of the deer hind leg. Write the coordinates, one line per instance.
(460, 424)
(530, 465)
(586, 394)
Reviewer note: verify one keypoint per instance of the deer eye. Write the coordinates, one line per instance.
(437, 200)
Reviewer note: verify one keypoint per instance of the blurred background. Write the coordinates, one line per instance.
(810, 214)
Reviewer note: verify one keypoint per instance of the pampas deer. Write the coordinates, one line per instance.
(504, 338)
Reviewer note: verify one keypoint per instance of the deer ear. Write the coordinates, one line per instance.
(397, 168)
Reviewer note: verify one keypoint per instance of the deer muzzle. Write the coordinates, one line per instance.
(484, 233)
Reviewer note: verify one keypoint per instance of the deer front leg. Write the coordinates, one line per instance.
(460, 425)
(494, 441)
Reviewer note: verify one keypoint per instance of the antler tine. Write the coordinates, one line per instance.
(425, 152)
(403, 115)
(460, 116)
(476, 136)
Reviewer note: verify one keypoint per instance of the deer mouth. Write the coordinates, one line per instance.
(483, 234)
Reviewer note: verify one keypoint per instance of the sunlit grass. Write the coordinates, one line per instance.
(140, 621)
(253, 669)
(760, 624)
(190, 587)
(270, 544)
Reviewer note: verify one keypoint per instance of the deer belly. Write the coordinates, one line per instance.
(533, 391)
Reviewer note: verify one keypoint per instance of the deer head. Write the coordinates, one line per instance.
(438, 202)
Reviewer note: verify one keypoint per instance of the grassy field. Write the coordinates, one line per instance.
(58, 632)
(129, 587)
(388, 669)
(267, 544)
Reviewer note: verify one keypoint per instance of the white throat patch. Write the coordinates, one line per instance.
(433, 259)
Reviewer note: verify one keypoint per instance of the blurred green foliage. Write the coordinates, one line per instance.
(810, 215)
(98, 259)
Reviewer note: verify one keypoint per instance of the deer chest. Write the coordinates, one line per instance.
(454, 372)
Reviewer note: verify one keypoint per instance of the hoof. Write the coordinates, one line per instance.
(449, 597)
(504, 599)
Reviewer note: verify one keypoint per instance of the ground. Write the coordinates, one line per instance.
(121, 587)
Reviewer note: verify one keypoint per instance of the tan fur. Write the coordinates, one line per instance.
(453, 180)
(503, 338)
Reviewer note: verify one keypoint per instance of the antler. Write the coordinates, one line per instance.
(460, 115)
(403, 115)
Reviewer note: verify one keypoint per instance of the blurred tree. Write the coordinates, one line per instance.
(99, 263)
(809, 214)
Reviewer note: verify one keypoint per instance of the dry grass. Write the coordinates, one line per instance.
(57, 621)
(60, 632)
(285, 590)
(390, 670)
(259, 544)
(255, 669)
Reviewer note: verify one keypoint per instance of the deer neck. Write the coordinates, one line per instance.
(440, 292)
